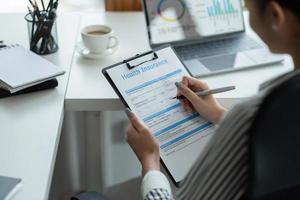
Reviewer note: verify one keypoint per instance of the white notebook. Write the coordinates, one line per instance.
(21, 68)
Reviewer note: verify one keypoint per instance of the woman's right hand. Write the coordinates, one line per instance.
(206, 106)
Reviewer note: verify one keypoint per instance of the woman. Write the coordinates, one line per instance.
(269, 123)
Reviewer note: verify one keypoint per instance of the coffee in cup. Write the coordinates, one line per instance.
(98, 38)
(97, 33)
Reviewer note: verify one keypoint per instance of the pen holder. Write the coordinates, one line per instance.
(42, 35)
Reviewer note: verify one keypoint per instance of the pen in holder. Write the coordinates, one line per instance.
(42, 28)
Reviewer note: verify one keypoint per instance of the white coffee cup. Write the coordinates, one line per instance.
(98, 38)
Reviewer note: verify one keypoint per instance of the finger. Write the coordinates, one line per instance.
(189, 94)
(137, 124)
(178, 94)
(194, 84)
(185, 82)
(187, 105)
(133, 119)
(131, 134)
(127, 133)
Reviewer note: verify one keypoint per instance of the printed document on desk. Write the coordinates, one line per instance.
(147, 89)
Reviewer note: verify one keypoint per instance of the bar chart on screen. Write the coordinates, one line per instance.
(222, 10)
(218, 9)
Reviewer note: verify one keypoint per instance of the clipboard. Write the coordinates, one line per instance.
(133, 63)
(132, 66)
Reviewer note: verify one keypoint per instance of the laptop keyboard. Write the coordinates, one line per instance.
(220, 47)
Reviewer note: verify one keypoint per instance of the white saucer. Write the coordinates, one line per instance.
(84, 52)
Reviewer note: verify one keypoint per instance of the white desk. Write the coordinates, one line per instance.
(89, 91)
(30, 124)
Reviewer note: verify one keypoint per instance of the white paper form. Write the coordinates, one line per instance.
(148, 90)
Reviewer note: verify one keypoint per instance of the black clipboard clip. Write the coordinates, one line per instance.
(129, 66)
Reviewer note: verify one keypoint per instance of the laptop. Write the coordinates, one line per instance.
(208, 35)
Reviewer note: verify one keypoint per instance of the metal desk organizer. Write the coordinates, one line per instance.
(42, 28)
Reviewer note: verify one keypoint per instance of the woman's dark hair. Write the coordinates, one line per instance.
(292, 5)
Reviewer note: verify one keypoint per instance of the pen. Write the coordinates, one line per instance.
(30, 12)
(50, 4)
(31, 3)
(209, 92)
(43, 5)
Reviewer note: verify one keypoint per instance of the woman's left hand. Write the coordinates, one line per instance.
(143, 144)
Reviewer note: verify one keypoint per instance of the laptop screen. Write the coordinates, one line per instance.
(179, 20)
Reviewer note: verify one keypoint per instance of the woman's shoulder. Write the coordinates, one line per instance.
(285, 92)
(275, 140)
(282, 103)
